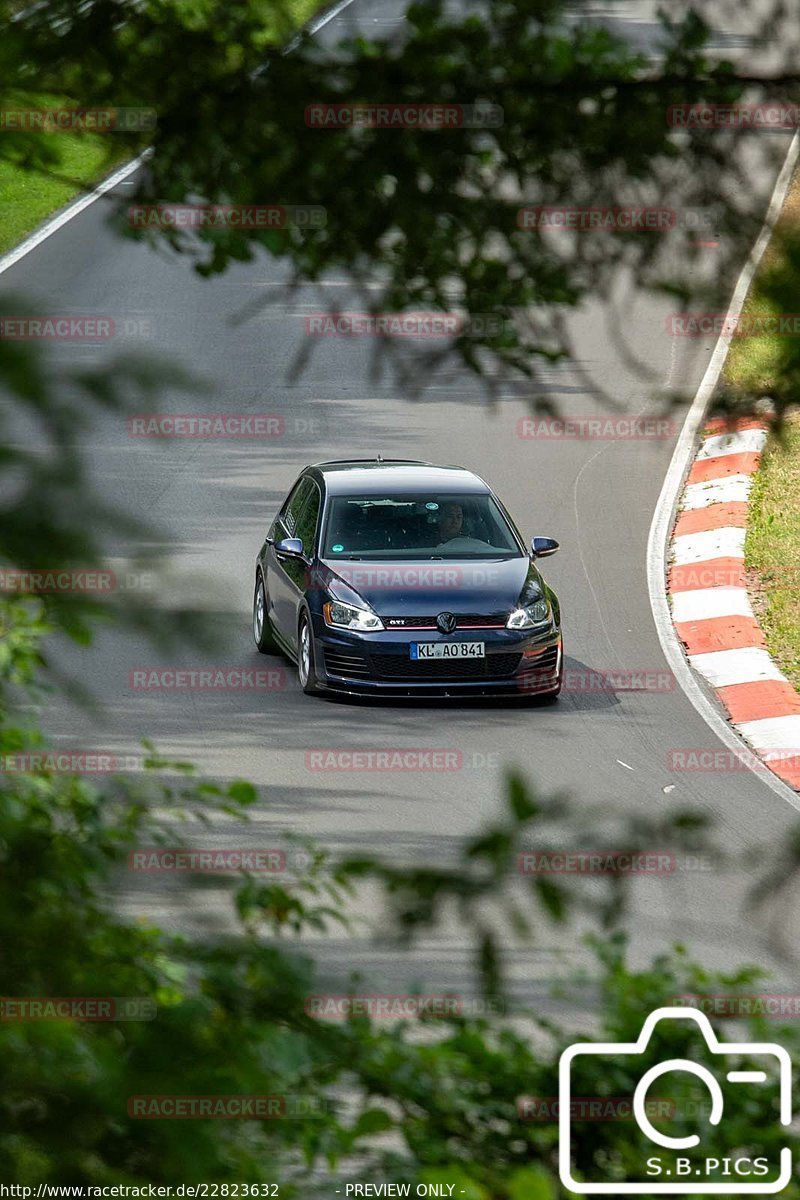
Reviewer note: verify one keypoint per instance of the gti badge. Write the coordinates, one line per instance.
(446, 622)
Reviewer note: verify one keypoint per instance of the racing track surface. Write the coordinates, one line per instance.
(212, 501)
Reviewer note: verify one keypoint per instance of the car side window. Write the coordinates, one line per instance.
(307, 518)
(292, 509)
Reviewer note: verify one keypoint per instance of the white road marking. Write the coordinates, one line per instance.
(700, 604)
(724, 667)
(727, 542)
(773, 733)
(320, 23)
(72, 210)
(732, 489)
(744, 441)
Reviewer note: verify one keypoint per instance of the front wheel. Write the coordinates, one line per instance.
(305, 657)
(262, 630)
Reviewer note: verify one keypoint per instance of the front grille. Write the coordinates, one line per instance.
(351, 664)
(493, 666)
(463, 621)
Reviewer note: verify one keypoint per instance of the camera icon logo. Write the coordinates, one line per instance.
(681, 1175)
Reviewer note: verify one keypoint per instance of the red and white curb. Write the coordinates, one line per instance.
(710, 607)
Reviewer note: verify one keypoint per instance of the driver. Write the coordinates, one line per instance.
(451, 521)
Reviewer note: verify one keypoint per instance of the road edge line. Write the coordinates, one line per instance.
(666, 505)
(76, 206)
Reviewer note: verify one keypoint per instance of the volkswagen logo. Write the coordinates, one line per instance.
(446, 622)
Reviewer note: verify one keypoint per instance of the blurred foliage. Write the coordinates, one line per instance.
(52, 517)
(430, 1100)
(432, 216)
(435, 217)
(761, 362)
(28, 197)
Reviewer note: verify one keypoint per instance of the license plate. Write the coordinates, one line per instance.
(448, 650)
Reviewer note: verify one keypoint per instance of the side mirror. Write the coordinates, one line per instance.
(289, 548)
(543, 547)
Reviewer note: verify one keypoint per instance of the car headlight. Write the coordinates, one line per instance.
(532, 614)
(347, 616)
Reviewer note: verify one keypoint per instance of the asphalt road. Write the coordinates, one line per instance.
(211, 501)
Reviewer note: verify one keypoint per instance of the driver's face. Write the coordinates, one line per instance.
(451, 521)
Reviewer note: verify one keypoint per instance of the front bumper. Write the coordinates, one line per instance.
(522, 664)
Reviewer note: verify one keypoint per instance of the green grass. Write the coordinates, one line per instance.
(772, 549)
(767, 365)
(755, 364)
(301, 11)
(28, 196)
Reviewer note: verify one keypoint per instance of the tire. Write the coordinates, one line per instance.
(306, 668)
(262, 630)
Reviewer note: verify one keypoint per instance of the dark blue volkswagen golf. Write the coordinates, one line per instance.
(401, 578)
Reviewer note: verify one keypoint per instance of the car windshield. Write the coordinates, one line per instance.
(403, 527)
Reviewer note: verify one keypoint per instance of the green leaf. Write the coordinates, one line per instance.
(531, 1183)
(242, 792)
(374, 1120)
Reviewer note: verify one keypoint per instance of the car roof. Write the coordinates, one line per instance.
(358, 477)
